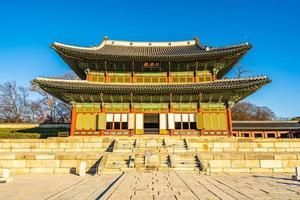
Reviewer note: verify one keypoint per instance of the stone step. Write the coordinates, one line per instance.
(184, 168)
(122, 150)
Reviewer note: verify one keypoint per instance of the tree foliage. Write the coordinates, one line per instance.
(295, 118)
(245, 111)
(239, 71)
(14, 103)
(17, 107)
(49, 109)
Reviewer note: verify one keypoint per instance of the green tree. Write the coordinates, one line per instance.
(245, 111)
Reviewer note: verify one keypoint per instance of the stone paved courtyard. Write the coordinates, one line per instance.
(152, 185)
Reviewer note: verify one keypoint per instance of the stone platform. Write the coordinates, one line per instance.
(149, 153)
(154, 185)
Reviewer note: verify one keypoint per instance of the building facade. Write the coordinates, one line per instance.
(135, 88)
(266, 129)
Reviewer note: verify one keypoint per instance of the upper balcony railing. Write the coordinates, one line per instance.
(151, 77)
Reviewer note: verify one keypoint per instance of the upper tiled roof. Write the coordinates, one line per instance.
(179, 51)
(110, 49)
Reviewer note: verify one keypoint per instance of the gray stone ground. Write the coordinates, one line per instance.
(152, 185)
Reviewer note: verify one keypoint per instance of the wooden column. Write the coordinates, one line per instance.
(214, 77)
(73, 120)
(229, 120)
(101, 111)
(195, 72)
(200, 110)
(170, 110)
(169, 72)
(131, 110)
(105, 74)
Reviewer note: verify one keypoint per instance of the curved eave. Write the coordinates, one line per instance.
(223, 71)
(94, 53)
(72, 54)
(239, 88)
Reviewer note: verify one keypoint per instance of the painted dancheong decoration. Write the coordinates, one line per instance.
(170, 88)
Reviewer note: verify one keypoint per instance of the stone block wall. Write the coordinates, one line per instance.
(250, 162)
(53, 155)
(247, 155)
(32, 125)
(214, 144)
(70, 144)
(46, 163)
(221, 154)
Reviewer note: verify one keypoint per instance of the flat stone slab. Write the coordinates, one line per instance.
(5, 180)
(152, 185)
(296, 178)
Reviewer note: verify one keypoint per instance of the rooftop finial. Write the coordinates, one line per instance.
(198, 41)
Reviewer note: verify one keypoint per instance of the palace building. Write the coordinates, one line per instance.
(167, 88)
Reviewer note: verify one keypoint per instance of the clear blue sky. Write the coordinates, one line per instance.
(27, 28)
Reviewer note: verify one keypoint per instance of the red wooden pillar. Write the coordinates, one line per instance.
(200, 110)
(229, 121)
(215, 77)
(73, 121)
(195, 72)
(101, 111)
(170, 110)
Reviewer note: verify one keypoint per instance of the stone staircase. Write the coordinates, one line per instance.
(185, 162)
(164, 162)
(139, 161)
(115, 162)
(149, 143)
(149, 155)
(124, 145)
(175, 145)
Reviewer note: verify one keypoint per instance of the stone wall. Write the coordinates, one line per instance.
(247, 155)
(225, 144)
(53, 155)
(251, 162)
(220, 154)
(31, 125)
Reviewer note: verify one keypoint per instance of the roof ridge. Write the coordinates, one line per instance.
(128, 43)
(196, 83)
(150, 43)
(232, 45)
(245, 78)
(265, 121)
(53, 45)
(58, 79)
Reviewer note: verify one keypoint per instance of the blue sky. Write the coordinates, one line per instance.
(27, 28)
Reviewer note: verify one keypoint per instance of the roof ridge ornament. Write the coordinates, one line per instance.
(105, 38)
(197, 41)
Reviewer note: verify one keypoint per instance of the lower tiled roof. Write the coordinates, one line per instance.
(225, 89)
(219, 85)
